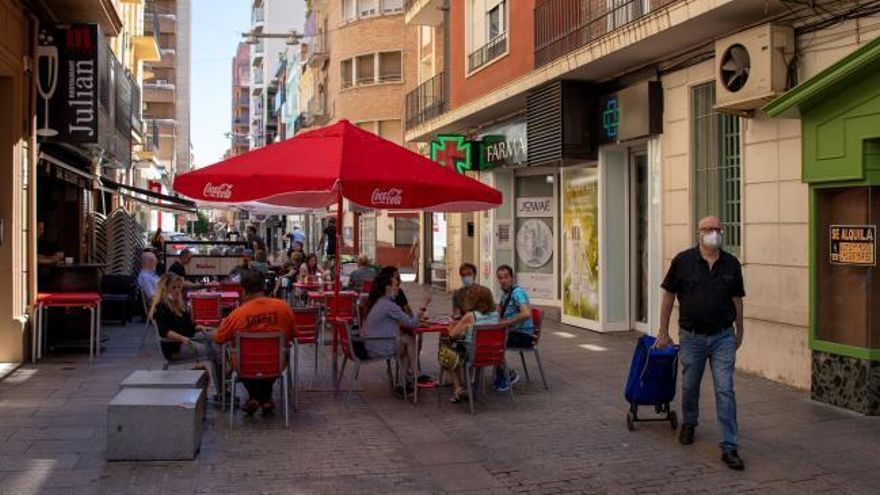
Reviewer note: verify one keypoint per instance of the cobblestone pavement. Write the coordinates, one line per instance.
(570, 439)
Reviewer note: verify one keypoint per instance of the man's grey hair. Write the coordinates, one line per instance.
(363, 260)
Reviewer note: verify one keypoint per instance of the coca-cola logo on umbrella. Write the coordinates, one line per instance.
(220, 191)
(391, 197)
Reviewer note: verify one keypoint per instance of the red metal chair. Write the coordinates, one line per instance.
(341, 308)
(537, 320)
(367, 285)
(487, 350)
(206, 308)
(231, 287)
(258, 356)
(306, 332)
(346, 340)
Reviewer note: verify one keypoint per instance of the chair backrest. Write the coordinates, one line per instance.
(366, 286)
(489, 345)
(537, 321)
(205, 307)
(259, 355)
(231, 287)
(343, 307)
(306, 324)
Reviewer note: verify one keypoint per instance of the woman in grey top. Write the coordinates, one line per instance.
(385, 319)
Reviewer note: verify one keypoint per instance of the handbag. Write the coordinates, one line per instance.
(448, 358)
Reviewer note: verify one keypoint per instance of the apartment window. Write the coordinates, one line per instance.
(622, 12)
(390, 66)
(392, 6)
(406, 229)
(353, 10)
(495, 21)
(372, 68)
(346, 73)
(366, 69)
(368, 8)
(716, 162)
(487, 32)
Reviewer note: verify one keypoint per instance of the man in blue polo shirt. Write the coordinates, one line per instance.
(516, 314)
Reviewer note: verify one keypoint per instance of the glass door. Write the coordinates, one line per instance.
(639, 232)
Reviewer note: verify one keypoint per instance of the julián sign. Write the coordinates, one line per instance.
(68, 75)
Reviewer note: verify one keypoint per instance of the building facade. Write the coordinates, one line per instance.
(241, 117)
(166, 101)
(612, 128)
(355, 67)
(268, 17)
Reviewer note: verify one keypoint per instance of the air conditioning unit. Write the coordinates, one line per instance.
(161, 82)
(751, 67)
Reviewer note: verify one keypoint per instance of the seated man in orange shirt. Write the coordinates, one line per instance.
(257, 313)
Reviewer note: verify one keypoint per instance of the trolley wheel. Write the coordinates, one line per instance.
(673, 420)
(630, 421)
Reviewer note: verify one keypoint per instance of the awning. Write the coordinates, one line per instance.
(58, 169)
(150, 198)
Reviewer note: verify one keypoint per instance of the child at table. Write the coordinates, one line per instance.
(480, 309)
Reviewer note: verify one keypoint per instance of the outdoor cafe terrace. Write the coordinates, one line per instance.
(570, 438)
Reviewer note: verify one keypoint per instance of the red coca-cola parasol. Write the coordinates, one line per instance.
(318, 168)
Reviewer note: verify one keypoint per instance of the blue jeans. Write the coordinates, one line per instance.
(720, 350)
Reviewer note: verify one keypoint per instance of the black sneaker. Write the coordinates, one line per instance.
(732, 459)
(686, 435)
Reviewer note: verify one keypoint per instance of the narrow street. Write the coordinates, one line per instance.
(570, 439)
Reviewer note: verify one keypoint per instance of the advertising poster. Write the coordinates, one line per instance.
(580, 223)
(534, 246)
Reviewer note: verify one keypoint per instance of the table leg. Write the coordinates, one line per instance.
(91, 334)
(98, 332)
(418, 368)
(334, 376)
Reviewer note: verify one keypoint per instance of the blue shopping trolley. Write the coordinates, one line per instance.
(651, 382)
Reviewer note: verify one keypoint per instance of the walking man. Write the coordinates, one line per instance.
(709, 285)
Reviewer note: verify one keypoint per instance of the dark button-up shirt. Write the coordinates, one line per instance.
(705, 297)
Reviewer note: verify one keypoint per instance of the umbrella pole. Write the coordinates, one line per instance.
(336, 281)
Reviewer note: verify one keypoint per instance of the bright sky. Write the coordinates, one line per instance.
(216, 30)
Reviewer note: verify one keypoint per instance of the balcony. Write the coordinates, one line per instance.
(150, 146)
(562, 26)
(317, 52)
(317, 111)
(424, 12)
(103, 12)
(488, 52)
(159, 91)
(426, 101)
(156, 23)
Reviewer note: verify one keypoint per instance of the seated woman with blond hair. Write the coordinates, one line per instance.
(480, 309)
(181, 338)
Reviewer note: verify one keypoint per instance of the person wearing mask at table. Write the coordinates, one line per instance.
(468, 274)
(478, 309)
(363, 273)
(255, 242)
(182, 339)
(310, 272)
(179, 268)
(516, 314)
(257, 314)
(384, 318)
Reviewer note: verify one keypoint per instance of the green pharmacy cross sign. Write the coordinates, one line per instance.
(454, 151)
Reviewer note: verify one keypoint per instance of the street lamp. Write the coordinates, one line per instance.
(291, 38)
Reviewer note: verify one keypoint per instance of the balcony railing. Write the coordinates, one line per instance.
(488, 52)
(317, 51)
(427, 101)
(562, 26)
(151, 136)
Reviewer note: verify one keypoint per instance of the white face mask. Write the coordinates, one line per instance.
(712, 240)
(467, 281)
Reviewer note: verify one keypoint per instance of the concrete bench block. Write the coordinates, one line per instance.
(166, 379)
(155, 424)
